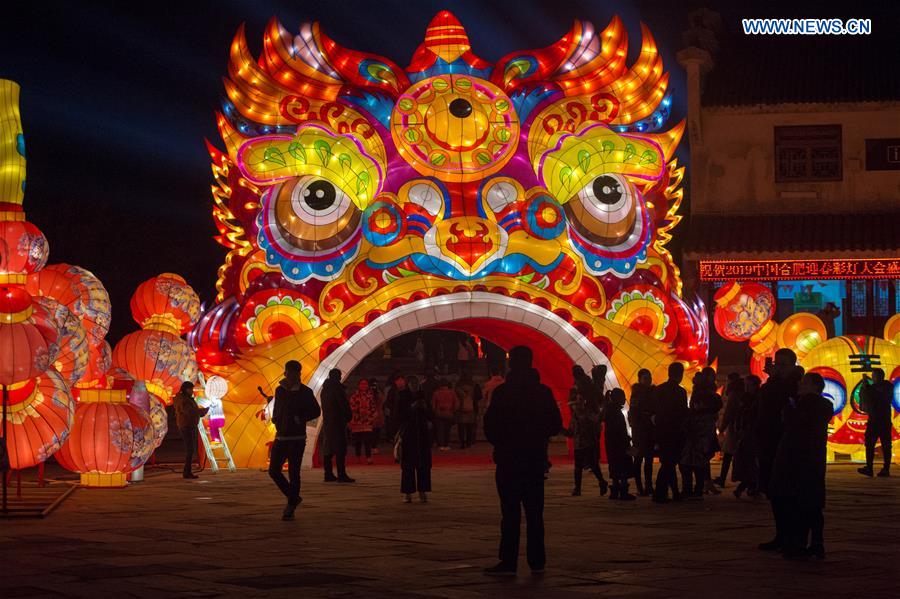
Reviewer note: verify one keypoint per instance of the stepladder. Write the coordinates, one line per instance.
(216, 447)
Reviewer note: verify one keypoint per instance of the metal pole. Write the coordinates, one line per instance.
(6, 446)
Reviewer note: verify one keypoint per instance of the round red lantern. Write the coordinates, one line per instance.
(28, 336)
(23, 250)
(165, 302)
(109, 438)
(742, 310)
(160, 359)
(40, 413)
(80, 291)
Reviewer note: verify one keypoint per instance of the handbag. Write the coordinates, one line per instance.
(398, 446)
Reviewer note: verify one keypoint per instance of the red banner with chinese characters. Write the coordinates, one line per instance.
(785, 270)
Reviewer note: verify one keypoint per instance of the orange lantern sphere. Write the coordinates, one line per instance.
(742, 310)
(72, 358)
(109, 438)
(166, 302)
(28, 336)
(80, 291)
(801, 332)
(160, 359)
(40, 414)
(23, 249)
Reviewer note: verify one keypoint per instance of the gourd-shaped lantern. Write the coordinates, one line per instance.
(109, 438)
(165, 307)
(167, 299)
(80, 291)
(73, 354)
(40, 413)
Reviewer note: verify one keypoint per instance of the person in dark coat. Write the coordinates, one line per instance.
(618, 446)
(430, 385)
(336, 415)
(671, 403)
(522, 417)
(583, 432)
(187, 417)
(774, 396)
(640, 417)
(734, 391)
(592, 398)
(416, 429)
(877, 395)
(295, 405)
(700, 442)
(798, 474)
(746, 459)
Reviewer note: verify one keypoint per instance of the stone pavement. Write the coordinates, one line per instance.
(222, 536)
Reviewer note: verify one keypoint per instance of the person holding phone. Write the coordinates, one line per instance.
(877, 395)
(187, 417)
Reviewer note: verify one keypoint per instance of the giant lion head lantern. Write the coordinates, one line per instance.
(527, 200)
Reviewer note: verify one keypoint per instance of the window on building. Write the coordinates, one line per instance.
(881, 294)
(808, 153)
(858, 299)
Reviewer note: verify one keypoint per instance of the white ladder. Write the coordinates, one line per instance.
(212, 446)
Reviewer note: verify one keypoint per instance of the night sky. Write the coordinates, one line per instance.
(116, 105)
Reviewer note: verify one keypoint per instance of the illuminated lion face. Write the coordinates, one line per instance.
(546, 171)
(530, 200)
(841, 362)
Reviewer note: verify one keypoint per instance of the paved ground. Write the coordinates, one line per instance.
(222, 536)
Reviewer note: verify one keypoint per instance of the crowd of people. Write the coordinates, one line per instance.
(772, 437)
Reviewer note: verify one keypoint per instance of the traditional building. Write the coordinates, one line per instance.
(794, 174)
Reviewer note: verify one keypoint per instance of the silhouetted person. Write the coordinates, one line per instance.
(336, 415)
(295, 405)
(700, 434)
(618, 446)
(798, 475)
(734, 391)
(669, 419)
(187, 417)
(746, 458)
(877, 395)
(592, 396)
(414, 414)
(590, 393)
(583, 431)
(598, 376)
(774, 396)
(430, 384)
(521, 419)
(468, 395)
(640, 416)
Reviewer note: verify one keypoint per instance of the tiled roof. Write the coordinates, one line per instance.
(712, 235)
(768, 69)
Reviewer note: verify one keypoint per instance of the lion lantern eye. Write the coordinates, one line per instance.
(310, 215)
(604, 211)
